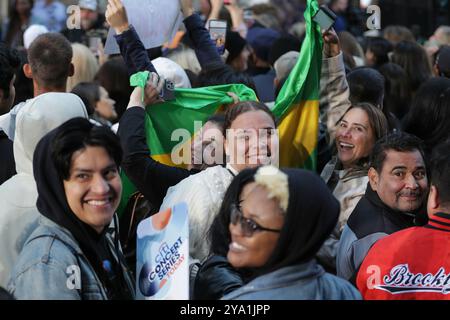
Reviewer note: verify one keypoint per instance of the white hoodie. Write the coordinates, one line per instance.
(18, 195)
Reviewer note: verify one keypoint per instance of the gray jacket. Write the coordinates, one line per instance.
(307, 281)
(52, 266)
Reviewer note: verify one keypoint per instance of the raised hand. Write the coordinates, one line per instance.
(151, 92)
(116, 16)
(331, 46)
(187, 7)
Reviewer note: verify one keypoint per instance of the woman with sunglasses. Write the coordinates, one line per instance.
(271, 225)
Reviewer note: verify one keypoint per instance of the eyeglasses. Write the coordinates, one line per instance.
(248, 226)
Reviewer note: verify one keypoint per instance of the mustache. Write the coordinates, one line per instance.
(410, 194)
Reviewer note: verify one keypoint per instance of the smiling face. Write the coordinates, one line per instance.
(354, 137)
(254, 251)
(252, 141)
(402, 184)
(94, 187)
(205, 147)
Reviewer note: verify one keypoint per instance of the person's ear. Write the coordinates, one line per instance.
(373, 178)
(436, 71)
(71, 70)
(27, 71)
(433, 198)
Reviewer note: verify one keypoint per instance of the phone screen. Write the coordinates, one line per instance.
(218, 32)
(325, 18)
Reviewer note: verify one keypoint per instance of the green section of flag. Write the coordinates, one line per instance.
(190, 105)
(298, 128)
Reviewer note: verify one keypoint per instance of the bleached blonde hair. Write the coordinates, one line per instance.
(276, 183)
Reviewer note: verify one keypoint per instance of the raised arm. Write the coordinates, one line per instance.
(131, 47)
(334, 90)
(205, 49)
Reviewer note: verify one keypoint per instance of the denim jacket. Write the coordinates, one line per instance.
(52, 266)
(307, 281)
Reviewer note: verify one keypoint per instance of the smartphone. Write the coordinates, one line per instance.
(94, 44)
(218, 32)
(167, 93)
(325, 18)
(248, 14)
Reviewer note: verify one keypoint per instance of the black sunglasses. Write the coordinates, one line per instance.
(248, 226)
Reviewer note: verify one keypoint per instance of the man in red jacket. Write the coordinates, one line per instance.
(414, 263)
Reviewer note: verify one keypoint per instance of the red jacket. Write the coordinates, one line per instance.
(413, 264)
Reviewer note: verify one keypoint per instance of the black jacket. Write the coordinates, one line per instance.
(370, 221)
(7, 163)
(216, 278)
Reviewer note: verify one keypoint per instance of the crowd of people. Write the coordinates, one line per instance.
(372, 222)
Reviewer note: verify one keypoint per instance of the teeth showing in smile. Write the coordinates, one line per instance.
(346, 145)
(98, 202)
(237, 246)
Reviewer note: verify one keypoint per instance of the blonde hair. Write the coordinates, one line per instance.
(187, 59)
(85, 65)
(276, 183)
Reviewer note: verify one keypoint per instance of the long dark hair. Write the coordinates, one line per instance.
(413, 59)
(397, 92)
(14, 22)
(429, 115)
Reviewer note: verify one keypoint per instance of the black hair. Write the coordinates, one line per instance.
(219, 73)
(5, 295)
(366, 85)
(218, 119)
(77, 134)
(50, 58)
(9, 63)
(397, 92)
(23, 85)
(440, 171)
(15, 24)
(397, 141)
(218, 233)
(429, 115)
(284, 44)
(239, 108)
(380, 48)
(89, 93)
(113, 76)
(414, 60)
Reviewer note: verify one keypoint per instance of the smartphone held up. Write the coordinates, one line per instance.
(218, 32)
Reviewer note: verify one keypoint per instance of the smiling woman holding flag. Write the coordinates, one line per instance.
(297, 109)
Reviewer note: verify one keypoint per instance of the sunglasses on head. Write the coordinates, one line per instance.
(248, 226)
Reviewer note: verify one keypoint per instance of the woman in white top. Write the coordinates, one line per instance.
(251, 140)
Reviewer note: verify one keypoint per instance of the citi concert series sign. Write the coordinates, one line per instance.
(162, 269)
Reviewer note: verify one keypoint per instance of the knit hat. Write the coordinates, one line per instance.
(261, 40)
(285, 64)
(32, 33)
(235, 44)
(88, 4)
(172, 71)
